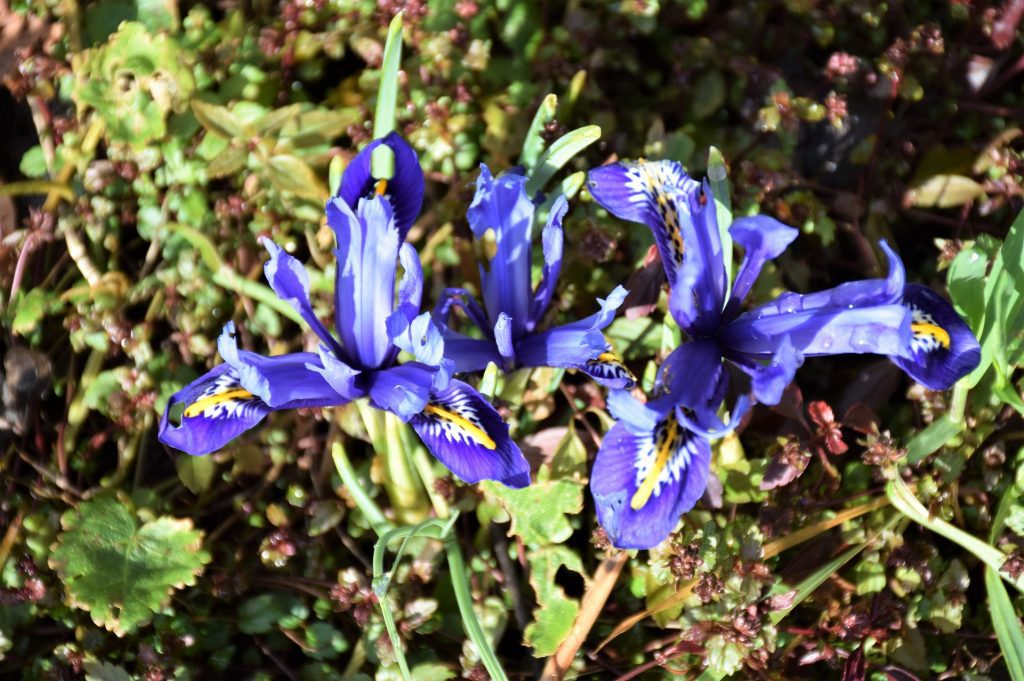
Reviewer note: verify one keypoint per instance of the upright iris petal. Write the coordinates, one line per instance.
(648, 193)
(455, 422)
(365, 288)
(513, 307)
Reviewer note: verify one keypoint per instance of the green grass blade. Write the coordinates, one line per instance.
(807, 586)
(382, 163)
(560, 153)
(533, 144)
(1004, 617)
(929, 440)
(460, 584)
(1006, 624)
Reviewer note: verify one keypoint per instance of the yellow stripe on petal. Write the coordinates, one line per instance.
(201, 405)
(643, 493)
(381, 187)
(931, 331)
(468, 427)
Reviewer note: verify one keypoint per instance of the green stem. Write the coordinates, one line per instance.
(958, 405)
(364, 503)
(460, 584)
(433, 528)
(905, 502)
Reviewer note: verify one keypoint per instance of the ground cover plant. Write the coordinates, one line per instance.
(511, 340)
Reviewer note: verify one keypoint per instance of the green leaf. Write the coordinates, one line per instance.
(320, 126)
(635, 338)
(290, 173)
(383, 161)
(719, 180)
(122, 571)
(31, 308)
(207, 251)
(560, 153)
(809, 584)
(158, 15)
(724, 657)
(709, 94)
(33, 163)
(1006, 623)
(104, 671)
(929, 440)
(228, 162)
(1004, 294)
(263, 613)
(945, 191)
(220, 120)
(966, 283)
(539, 511)
(1004, 618)
(196, 472)
(570, 457)
(556, 612)
(533, 143)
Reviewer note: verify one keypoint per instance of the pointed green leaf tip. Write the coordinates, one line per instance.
(383, 160)
(120, 570)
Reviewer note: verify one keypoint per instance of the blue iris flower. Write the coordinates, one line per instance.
(370, 218)
(513, 310)
(653, 464)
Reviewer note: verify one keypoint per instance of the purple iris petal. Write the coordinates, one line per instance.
(503, 339)
(403, 389)
(464, 300)
(420, 337)
(365, 287)
(501, 204)
(275, 380)
(470, 354)
(552, 242)
(571, 345)
(651, 193)
(609, 371)
(879, 329)
(698, 297)
(692, 375)
(410, 288)
(942, 347)
(769, 380)
(404, 189)
(467, 435)
(762, 239)
(290, 282)
(347, 381)
(217, 408)
(635, 513)
(856, 317)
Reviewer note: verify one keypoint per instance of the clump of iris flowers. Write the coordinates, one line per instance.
(370, 218)
(653, 465)
(513, 311)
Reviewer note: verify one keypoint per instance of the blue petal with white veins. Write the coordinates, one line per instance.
(467, 435)
(943, 349)
(643, 483)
